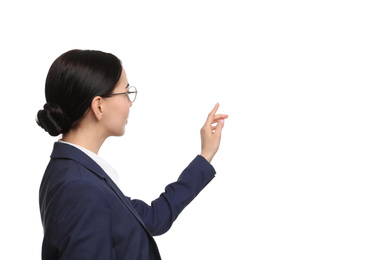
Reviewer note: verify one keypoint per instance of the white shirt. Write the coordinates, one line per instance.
(99, 160)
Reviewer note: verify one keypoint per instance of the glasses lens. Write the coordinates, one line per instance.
(132, 94)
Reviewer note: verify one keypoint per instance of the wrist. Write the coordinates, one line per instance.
(207, 157)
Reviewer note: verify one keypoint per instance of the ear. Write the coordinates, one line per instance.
(97, 107)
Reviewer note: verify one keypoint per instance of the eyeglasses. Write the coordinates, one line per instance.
(131, 94)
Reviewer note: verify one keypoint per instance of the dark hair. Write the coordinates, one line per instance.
(73, 81)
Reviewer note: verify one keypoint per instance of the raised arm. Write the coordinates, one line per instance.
(159, 216)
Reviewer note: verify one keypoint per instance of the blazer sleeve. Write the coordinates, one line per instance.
(159, 216)
(82, 222)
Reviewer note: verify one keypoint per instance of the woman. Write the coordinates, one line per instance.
(84, 213)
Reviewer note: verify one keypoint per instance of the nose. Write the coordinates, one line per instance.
(128, 99)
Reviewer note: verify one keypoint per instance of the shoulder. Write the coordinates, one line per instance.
(65, 169)
(66, 178)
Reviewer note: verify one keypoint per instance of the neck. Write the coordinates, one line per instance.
(85, 138)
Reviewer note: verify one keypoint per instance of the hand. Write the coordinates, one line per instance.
(211, 134)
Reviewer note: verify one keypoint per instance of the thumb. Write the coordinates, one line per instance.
(219, 127)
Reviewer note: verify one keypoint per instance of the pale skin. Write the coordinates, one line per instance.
(108, 117)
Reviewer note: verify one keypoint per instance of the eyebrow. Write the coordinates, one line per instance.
(128, 85)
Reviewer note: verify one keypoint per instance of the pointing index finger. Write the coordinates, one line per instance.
(210, 118)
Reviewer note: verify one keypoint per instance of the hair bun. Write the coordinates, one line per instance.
(53, 119)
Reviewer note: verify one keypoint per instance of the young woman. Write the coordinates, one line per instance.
(84, 214)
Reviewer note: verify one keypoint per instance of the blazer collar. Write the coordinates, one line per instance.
(62, 150)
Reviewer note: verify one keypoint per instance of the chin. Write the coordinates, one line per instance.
(118, 133)
(122, 132)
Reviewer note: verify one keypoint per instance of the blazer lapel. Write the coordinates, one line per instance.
(62, 150)
(125, 200)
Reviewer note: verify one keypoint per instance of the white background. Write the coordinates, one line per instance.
(303, 168)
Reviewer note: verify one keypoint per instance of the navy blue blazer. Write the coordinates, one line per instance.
(86, 216)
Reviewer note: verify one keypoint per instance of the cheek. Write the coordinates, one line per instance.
(125, 111)
(122, 109)
(118, 115)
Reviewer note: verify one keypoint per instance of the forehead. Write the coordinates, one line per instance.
(122, 83)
